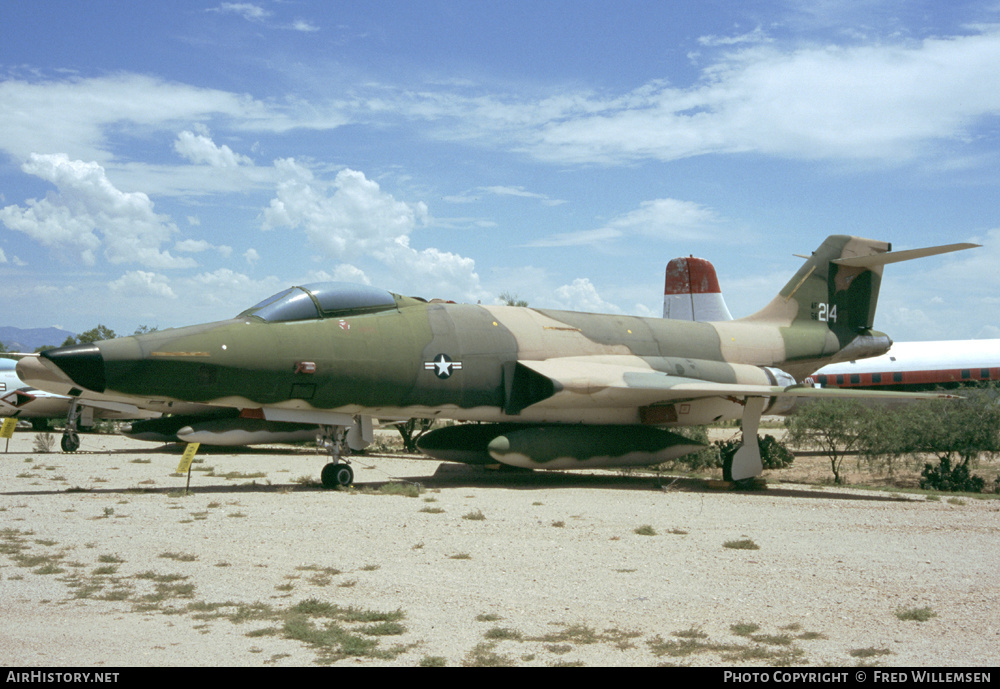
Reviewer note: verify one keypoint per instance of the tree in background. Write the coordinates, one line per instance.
(510, 299)
(97, 334)
(957, 431)
(837, 427)
(411, 430)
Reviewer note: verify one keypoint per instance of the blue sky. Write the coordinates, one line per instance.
(164, 164)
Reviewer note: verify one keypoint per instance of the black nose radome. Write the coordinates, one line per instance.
(82, 363)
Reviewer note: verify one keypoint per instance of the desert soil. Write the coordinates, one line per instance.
(105, 561)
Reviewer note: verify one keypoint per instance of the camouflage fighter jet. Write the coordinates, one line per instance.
(552, 389)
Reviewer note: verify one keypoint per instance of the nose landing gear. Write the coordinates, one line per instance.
(337, 476)
(338, 473)
(71, 439)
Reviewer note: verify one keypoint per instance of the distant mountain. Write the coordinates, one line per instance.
(29, 339)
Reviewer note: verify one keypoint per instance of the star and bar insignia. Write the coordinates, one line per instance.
(443, 366)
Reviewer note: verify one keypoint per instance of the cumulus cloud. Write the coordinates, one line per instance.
(355, 219)
(352, 218)
(885, 102)
(345, 272)
(197, 246)
(73, 115)
(192, 246)
(87, 212)
(889, 101)
(348, 273)
(200, 149)
(664, 219)
(143, 283)
(248, 11)
(581, 295)
(230, 289)
(17, 261)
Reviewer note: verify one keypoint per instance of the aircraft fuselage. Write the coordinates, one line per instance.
(453, 360)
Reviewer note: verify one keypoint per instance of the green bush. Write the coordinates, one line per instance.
(944, 477)
(706, 458)
(773, 454)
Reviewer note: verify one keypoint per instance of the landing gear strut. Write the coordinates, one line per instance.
(746, 463)
(338, 473)
(71, 439)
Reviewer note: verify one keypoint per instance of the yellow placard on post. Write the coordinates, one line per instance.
(187, 457)
(7, 430)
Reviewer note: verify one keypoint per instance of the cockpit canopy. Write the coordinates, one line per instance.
(321, 300)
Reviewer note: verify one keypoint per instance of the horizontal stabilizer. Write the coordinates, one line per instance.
(881, 259)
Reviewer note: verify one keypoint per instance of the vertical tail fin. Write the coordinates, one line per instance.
(837, 290)
(842, 296)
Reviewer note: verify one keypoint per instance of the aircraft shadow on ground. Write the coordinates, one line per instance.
(457, 475)
(454, 476)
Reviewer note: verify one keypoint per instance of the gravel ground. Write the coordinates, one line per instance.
(104, 561)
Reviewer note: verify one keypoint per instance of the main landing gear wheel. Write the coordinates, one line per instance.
(337, 476)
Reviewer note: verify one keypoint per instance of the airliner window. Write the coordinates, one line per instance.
(291, 305)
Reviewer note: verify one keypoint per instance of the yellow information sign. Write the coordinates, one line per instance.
(187, 457)
(7, 430)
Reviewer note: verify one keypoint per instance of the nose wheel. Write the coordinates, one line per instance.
(336, 474)
(71, 440)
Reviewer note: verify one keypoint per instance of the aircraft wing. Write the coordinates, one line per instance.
(13, 401)
(580, 382)
(124, 410)
(33, 403)
(20, 397)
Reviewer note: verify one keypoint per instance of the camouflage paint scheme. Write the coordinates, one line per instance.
(558, 389)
